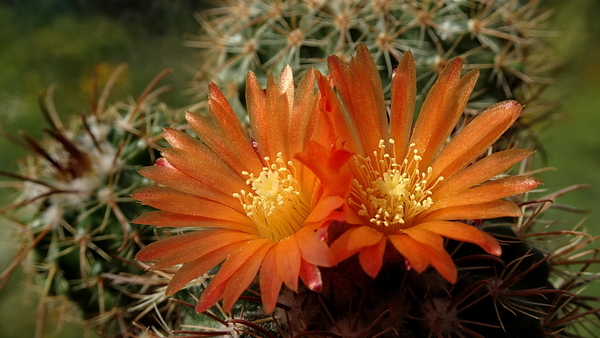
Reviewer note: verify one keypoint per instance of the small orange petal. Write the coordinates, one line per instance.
(487, 210)
(312, 249)
(431, 115)
(198, 267)
(371, 257)
(270, 281)
(288, 262)
(243, 276)
(178, 180)
(412, 251)
(475, 138)
(236, 260)
(481, 171)
(352, 241)
(186, 252)
(404, 92)
(489, 191)
(177, 202)
(161, 218)
(464, 233)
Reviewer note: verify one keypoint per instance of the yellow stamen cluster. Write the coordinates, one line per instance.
(390, 194)
(276, 204)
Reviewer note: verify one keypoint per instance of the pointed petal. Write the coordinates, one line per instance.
(481, 171)
(234, 262)
(270, 281)
(305, 114)
(181, 203)
(431, 115)
(207, 168)
(493, 209)
(475, 138)
(404, 93)
(186, 252)
(352, 241)
(464, 233)
(412, 251)
(243, 276)
(453, 109)
(488, 192)
(255, 101)
(337, 122)
(426, 237)
(230, 126)
(371, 257)
(211, 295)
(161, 218)
(234, 149)
(158, 249)
(178, 180)
(311, 276)
(419, 255)
(368, 111)
(198, 267)
(312, 249)
(288, 262)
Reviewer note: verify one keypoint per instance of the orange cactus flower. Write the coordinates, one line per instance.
(254, 206)
(411, 189)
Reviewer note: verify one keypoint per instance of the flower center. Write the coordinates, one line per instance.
(276, 204)
(388, 194)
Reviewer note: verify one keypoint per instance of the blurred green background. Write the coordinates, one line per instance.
(44, 42)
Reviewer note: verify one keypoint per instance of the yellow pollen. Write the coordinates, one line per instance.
(276, 204)
(390, 194)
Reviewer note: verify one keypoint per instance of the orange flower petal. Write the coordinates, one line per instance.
(177, 202)
(312, 249)
(304, 118)
(178, 180)
(431, 116)
(255, 98)
(172, 220)
(198, 267)
(413, 251)
(475, 138)
(464, 233)
(186, 252)
(236, 152)
(211, 295)
(352, 241)
(288, 262)
(235, 261)
(156, 250)
(242, 278)
(371, 257)
(404, 92)
(420, 255)
(453, 109)
(426, 237)
(481, 171)
(270, 281)
(342, 134)
(489, 191)
(230, 126)
(206, 168)
(493, 209)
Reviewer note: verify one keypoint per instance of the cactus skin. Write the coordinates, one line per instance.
(74, 208)
(502, 38)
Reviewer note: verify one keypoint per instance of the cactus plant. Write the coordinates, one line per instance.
(503, 39)
(75, 211)
(74, 205)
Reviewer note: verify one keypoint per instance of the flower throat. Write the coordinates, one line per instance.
(276, 204)
(388, 194)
